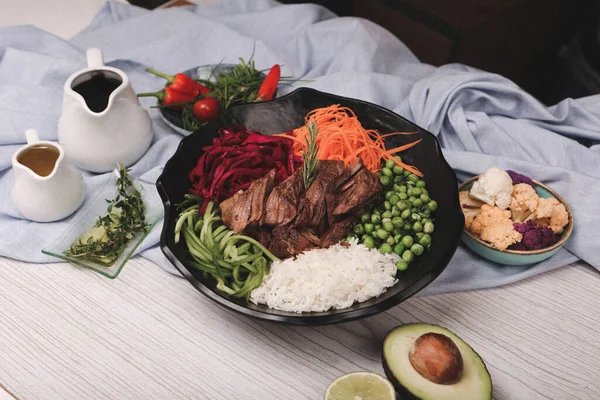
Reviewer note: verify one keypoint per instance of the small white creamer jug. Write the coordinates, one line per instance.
(46, 186)
(102, 122)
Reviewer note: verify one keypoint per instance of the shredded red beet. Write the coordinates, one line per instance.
(238, 157)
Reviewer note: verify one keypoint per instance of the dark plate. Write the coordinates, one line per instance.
(173, 118)
(281, 115)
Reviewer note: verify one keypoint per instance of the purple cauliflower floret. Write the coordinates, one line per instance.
(535, 237)
(519, 178)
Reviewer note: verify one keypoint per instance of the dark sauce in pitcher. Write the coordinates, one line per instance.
(96, 91)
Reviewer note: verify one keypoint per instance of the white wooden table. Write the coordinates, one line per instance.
(67, 333)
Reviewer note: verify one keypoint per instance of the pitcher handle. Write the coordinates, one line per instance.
(32, 136)
(94, 58)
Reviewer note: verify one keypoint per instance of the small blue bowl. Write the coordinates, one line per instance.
(517, 257)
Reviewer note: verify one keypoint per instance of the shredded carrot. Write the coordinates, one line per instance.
(341, 136)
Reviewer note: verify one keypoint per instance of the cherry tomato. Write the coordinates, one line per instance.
(206, 109)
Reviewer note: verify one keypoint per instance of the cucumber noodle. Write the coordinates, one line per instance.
(238, 263)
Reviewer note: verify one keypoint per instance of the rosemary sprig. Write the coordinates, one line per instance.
(111, 233)
(309, 167)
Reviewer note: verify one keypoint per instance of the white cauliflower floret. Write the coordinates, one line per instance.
(524, 202)
(494, 187)
(551, 212)
(489, 216)
(501, 235)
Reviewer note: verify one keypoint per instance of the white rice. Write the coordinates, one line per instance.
(320, 279)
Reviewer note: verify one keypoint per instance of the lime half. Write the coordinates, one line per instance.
(360, 386)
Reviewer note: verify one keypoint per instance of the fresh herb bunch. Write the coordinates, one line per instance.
(309, 168)
(124, 219)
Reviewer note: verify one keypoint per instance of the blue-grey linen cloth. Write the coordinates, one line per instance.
(481, 119)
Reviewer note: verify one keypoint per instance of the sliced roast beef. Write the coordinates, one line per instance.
(312, 207)
(287, 242)
(245, 208)
(281, 205)
(336, 232)
(359, 191)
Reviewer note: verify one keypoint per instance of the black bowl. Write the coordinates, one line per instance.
(281, 115)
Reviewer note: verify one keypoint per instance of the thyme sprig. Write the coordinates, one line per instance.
(125, 218)
(311, 150)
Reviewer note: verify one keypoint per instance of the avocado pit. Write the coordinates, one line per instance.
(436, 358)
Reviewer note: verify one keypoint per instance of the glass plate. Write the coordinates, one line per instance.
(87, 216)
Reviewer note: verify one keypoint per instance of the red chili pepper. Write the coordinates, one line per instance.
(269, 85)
(182, 83)
(170, 97)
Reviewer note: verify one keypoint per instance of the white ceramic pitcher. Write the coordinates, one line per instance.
(46, 186)
(102, 122)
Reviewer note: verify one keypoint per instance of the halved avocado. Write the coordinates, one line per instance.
(472, 382)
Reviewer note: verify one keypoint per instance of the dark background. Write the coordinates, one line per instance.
(551, 48)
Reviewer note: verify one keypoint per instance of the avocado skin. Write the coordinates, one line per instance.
(403, 392)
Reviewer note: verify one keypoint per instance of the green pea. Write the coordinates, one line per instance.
(409, 192)
(376, 227)
(425, 240)
(428, 227)
(364, 237)
(405, 214)
(397, 169)
(397, 222)
(402, 196)
(425, 220)
(387, 205)
(432, 205)
(411, 199)
(390, 240)
(385, 180)
(406, 173)
(369, 242)
(418, 235)
(425, 213)
(369, 227)
(382, 234)
(389, 194)
(349, 237)
(425, 191)
(394, 199)
(397, 238)
(415, 216)
(407, 226)
(424, 198)
(388, 226)
(417, 249)
(365, 218)
(397, 186)
(395, 211)
(407, 241)
(396, 232)
(375, 218)
(403, 189)
(398, 158)
(413, 178)
(399, 249)
(386, 172)
(417, 203)
(399, 179)
(401, 265)
(417, 227)
(389, 164)
(385, 249)
(386, 214)
(408, 256)
(421, 183)
(359, 229)
(416, 192)
(402, 205)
